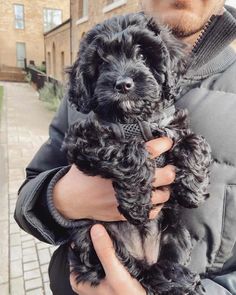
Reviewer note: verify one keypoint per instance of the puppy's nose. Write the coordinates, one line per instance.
(124, 85)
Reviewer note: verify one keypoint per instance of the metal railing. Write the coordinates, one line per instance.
(39, 78)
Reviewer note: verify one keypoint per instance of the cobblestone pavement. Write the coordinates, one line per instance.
(23, 128)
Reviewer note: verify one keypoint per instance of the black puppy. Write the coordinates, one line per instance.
(125, 79)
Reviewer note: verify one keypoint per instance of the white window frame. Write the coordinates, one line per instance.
(114, 5)
(23, 17)
(85, 16)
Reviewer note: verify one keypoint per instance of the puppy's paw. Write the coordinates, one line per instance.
(168, 278)
(88, 272)
(192, 157)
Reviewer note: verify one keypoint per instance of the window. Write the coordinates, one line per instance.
(19, 16)
(83, 8)
(112, 4)
(51, 18)
(82, 11)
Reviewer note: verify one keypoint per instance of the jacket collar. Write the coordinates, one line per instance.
(211, 52)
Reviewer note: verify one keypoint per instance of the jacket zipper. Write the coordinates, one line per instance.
(195, 49)
(202, 35)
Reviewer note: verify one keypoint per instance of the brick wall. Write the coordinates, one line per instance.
(32, 34)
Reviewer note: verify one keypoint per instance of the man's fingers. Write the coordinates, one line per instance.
(158, 146)
(105, 251)
(164, 176)
(154, 213)
(160, 196)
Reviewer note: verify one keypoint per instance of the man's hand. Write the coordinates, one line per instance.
(117, 281)
(78, 196)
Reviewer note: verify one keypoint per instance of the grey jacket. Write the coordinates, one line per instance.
(209, 93)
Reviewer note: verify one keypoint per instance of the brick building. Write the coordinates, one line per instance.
(62, 43)
(22, 27)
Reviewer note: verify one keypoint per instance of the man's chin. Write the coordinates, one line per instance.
(184, 23)
(182, 33)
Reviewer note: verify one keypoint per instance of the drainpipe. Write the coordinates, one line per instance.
(70, 35)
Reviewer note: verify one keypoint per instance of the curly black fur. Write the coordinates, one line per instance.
(127, 72)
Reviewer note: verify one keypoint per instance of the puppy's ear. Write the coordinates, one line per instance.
(176, 64)
(78, 91)
(176, 49)
(82, 77)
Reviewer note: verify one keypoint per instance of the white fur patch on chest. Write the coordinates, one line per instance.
(140, 246)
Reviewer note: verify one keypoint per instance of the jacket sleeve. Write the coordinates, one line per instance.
(31, 212)
(221, 285)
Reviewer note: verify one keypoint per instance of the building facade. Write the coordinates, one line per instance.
(22, 27)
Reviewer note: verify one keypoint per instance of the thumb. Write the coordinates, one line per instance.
(105, 251)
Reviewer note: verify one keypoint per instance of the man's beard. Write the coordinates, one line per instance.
(180, 32)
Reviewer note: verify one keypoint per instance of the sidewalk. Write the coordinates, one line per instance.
(23, 128)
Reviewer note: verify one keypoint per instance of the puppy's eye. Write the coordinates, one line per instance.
(139, 54)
